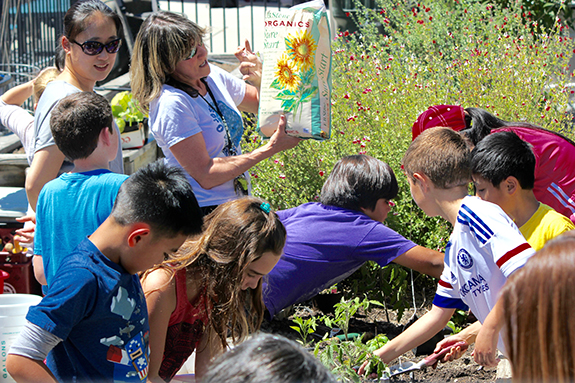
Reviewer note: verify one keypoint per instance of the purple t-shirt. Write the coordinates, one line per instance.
(326, 244)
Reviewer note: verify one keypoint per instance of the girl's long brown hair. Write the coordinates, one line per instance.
(235, 234)
(539, 315)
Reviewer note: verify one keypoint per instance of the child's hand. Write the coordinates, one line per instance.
(26, 234)
(485, 352)
(456, 352)
(250, 65)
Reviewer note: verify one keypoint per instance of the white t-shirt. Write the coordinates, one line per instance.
(21, 123)
(175, 116)
(485, 248)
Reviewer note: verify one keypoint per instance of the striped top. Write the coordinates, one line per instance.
(485, 248)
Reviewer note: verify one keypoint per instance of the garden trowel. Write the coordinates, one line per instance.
(404, 367)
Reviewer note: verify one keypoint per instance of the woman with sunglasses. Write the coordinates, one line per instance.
(194, 109)
(92, 37)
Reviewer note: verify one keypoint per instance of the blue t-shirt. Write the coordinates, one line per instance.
(326, 244)
(100, 312)
(70, 208)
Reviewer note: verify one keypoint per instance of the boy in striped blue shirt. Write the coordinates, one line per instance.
(484, 249)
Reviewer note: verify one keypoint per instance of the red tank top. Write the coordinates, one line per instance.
(185, 329)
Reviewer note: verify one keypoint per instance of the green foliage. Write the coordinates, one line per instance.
(342, 357)
(344, 310)
(125, 109)
(457, 321)
(305, 327)
(461, 52)
(544, 15)
(453, 327)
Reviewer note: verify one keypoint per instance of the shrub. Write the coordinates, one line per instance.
(444, 52)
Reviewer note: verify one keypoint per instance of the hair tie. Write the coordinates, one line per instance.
(265, 207)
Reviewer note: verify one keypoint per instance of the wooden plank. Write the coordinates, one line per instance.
(13, 169)
(9, 143)
(136, 158)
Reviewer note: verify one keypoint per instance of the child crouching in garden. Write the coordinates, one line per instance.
(211, 288)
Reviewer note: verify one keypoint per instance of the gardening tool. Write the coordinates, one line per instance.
(404, 367)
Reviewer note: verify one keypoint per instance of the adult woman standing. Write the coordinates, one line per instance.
(194, 109)
(92, 37)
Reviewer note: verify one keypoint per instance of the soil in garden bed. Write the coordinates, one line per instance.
(377, 321)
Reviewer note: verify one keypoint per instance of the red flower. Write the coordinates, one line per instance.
(321, 173)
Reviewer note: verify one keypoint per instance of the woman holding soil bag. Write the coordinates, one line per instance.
(194, 109)
(92, 37)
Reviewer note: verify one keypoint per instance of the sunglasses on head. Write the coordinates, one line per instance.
(93, 48)
(194, 51)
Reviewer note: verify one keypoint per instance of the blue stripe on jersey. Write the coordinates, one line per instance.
(481, 231)
(449, 303)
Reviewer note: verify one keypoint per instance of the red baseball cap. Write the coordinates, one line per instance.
(452, 116)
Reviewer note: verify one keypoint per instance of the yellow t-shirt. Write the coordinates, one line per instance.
(545, 225)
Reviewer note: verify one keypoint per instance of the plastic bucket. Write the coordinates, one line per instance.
(13, 310)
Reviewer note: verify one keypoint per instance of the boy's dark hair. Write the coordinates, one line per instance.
(267, 358)
(504, 154)
(162, 197)
(442, 155)
(359, 181)
(77, 121)
(480, 123)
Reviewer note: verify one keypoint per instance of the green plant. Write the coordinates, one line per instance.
(457, 321)
(125, 110)
(304, 327)
(443, 52)
(344, 310)
(344, 357)
(453, 327)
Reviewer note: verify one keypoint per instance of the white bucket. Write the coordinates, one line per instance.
(13, 310)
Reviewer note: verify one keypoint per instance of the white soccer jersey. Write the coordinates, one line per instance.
(483, 250)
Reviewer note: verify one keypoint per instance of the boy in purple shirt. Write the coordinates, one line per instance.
(328, 241)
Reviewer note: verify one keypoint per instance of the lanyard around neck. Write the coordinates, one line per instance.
(216, 109)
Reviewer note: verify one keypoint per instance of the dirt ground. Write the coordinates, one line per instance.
(378, 321)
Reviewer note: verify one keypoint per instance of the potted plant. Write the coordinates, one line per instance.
(133, 124)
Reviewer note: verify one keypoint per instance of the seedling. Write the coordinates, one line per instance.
(304, 327)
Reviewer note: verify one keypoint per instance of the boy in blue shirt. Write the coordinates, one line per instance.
(93, 323)
(73, 205)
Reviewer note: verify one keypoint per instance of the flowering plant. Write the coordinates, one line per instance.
(461, 52)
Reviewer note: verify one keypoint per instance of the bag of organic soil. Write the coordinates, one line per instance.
(296, 75)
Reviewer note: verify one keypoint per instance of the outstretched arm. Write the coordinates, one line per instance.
(485, 352)
(419, 332)
(18, 94)
(23, 369)
(45, 167)
(209, 347)
(160, 291)
(209, 172)
(423, 260)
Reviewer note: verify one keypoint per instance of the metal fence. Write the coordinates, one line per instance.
(29, 29)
